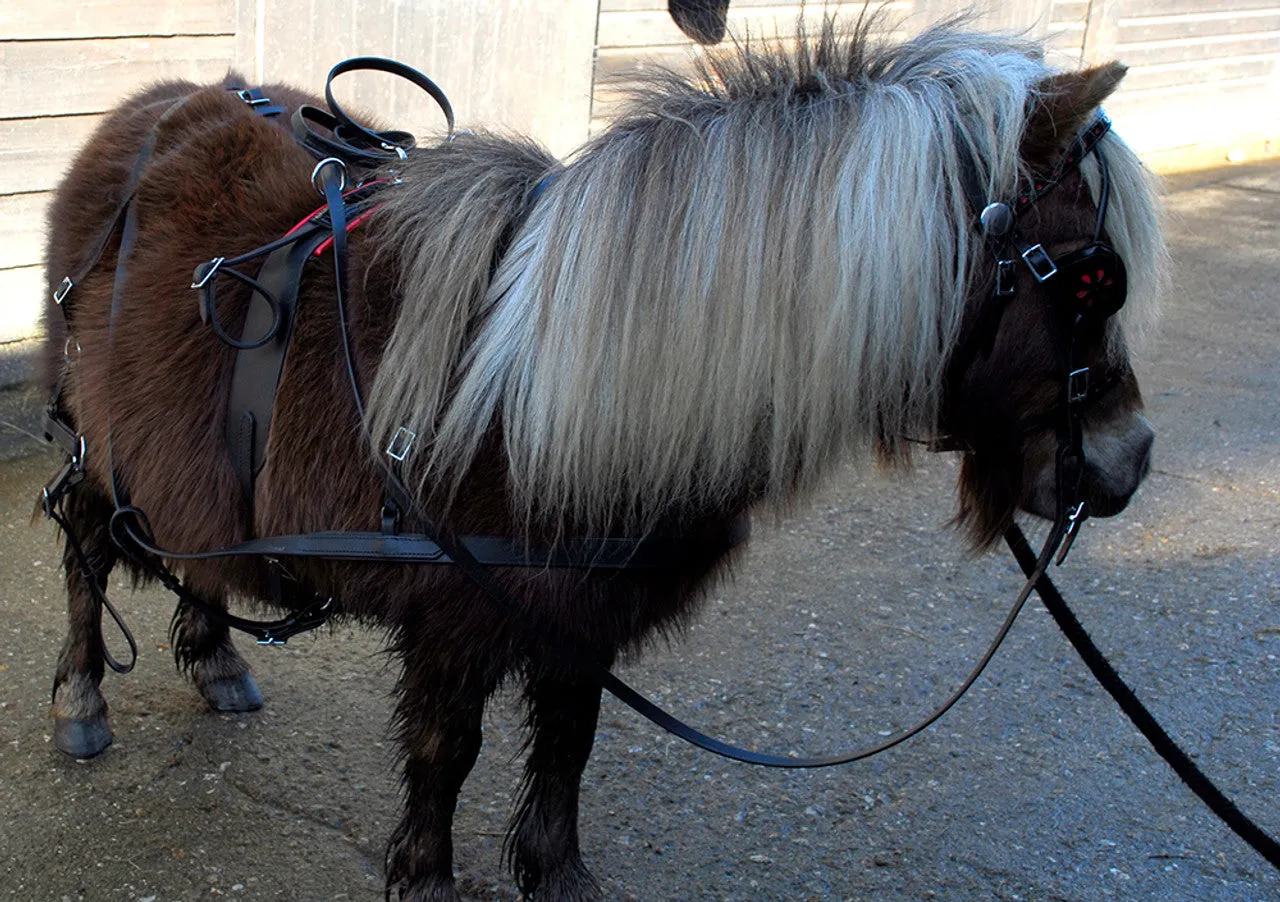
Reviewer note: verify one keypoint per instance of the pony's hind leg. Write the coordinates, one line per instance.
(79, 710)
(543, 842)
(203, 649)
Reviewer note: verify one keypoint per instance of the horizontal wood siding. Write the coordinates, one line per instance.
(66, 78)
(1200, 70)
(63, 63)
(43, 20)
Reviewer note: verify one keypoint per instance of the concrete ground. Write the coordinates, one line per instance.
(844, 623)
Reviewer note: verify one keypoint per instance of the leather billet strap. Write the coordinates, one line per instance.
(333, 133)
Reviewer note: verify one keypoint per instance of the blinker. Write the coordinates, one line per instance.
(1090, 283)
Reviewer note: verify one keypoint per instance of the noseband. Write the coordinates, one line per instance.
(1083, 289)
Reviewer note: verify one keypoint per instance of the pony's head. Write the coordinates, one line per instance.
(1040, 393)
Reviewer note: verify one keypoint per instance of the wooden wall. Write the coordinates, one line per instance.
(1203, 74)
(62, 64)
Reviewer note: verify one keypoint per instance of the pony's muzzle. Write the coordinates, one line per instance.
(1117, 452)
(1116, 462)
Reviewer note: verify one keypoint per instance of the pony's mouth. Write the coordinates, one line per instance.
(1117, 460)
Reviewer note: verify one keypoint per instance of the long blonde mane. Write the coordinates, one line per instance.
(749, 277)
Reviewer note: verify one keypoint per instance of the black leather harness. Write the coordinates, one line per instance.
(406, 536)
(1089, 283)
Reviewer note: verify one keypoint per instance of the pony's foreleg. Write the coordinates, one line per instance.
(543, 843)
(202, 648)
(442, 695)
(79, 710)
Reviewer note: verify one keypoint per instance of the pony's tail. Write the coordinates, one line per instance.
(445, 227)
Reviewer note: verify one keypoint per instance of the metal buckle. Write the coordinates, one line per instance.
(310, 617)
(209, 269)
(342, 172)
(401, 442)
(60, 294)
(247, 95)
(1006, 278)
(1040, 263)
(71, 475)
(1077, 385)
(1075, 519)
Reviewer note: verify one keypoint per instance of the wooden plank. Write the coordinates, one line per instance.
(1165, 28)
(22, 228)
(1068, 11)
(1219, 100)
(57, 78)
(23, 291)
(618, 65)
(1179, 7)
(34, 153)
(1145, 78)
(1195, 50)
(1102, 26)
(642, 28)
(46, 19)
(1066, 40)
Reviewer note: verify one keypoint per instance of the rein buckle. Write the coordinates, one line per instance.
(71, 475)
(1075, 519)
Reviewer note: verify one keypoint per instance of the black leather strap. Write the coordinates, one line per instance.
(1104, 673)
(257, 370)
(654, 552)
(333, 133)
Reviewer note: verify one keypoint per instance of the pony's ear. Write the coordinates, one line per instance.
(703, 20)
(1062, 106)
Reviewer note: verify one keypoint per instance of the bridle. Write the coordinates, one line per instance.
(1081, 290)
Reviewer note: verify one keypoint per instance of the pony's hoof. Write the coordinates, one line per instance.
(233, 695)
(84, 737)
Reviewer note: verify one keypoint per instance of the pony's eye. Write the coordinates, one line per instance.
(1090, 282)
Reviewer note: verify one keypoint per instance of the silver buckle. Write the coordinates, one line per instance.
(246, 95)
(342, 172)
(401, 442)
(60, 294)
(1075, 519)
(1077, 385)
(1006, 279)
(1040, 263)
(208, 273)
